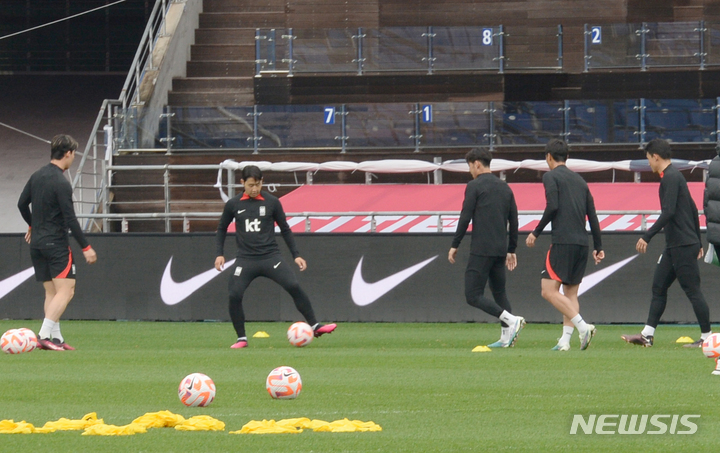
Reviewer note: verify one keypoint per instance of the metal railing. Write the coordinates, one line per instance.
(187, 217)
(164, 204)
(90, 177)
(438, 125)
(495, 48)
(406, 49)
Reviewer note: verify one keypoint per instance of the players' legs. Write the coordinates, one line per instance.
(571, 292)
(241, 278)
(49, 294)
(551, 292)
(511, 324)
(58, 294)
(566, 306)
(662, 279)
(64, 290)
(688, 274)
(476, 277)
(479, 270)
(497, 286)
(285, 277)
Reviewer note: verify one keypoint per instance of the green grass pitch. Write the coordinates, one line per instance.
(420, 382)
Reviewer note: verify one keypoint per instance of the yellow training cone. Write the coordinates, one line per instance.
(481, 349)
(261, 334)
(684, 340)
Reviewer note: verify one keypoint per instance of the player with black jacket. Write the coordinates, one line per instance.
(50, 195)
(255, 214)
(683, 246)
(490, 204)
(568, 204)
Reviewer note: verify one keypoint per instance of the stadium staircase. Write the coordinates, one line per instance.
(222, 65)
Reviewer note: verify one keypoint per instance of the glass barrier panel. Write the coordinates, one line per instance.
(273, 50)
(395, 49)
(672, 44)
(125, 127)
(531, 47)
(588, 122)
(523, 123)
(617, 46)
(380, 125)
(712, 43)
(210, 127)
(623, 121)
(139, 127)
(297, 126)
(325, 50)
(456, 124)
(680, 120)
(465, 48)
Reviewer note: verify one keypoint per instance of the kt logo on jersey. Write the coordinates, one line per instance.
(252, 227)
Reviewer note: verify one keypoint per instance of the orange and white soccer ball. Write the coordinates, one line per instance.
(284, 383)
(711, 346)
(32, 341)
(14, 342)
(196, 389)
(300, 334)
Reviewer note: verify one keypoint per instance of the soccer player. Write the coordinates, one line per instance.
(683, 247)
(490, 204)
(255, 213)
(50, 195)
(568, 204)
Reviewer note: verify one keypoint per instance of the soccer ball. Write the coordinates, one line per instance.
(711, 346)
(32, 341)
(284, 383)
(300, 334)
(14, 342)
(196, 389)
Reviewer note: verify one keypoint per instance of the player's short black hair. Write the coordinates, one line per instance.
(660, 147)
(558, 149)
(60, 145)
(477, 154)
(251, 171)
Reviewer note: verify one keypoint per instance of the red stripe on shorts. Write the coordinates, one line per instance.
(549, 268)
(66, 271)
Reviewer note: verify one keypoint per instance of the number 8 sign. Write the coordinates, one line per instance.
(487, 37)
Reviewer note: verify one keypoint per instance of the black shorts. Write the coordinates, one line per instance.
(56, 262)
(566, 263)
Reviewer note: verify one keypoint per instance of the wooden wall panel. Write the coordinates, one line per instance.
(332, 13)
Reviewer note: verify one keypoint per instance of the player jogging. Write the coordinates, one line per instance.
(568, 204)
(50, 195)
(490, 204)
(255, 214)
(683, 247)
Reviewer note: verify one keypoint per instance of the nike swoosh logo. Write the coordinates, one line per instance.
(14, 281)
(364, 293)
(241, 211)
(275, 266)
(596, 277)
(173, 292)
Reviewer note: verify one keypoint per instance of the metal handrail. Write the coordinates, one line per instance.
(143, 60)
(186, 216)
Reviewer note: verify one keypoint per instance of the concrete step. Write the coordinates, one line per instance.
(239, 20)
(205, 36)
(223, 6)
(221, 68)
(210, 98)
(216, 84)
(221, 52)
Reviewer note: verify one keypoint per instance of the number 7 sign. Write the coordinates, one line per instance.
(329, 115)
